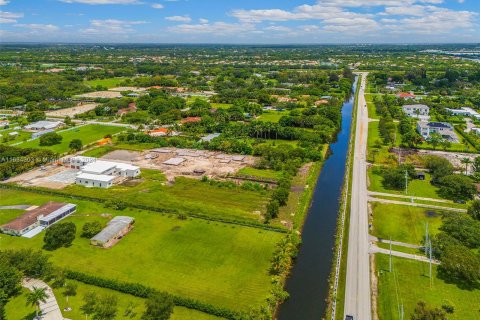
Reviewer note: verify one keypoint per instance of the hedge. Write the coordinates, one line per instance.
(141, 291)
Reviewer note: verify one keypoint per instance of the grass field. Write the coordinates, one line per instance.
(222, 264)
(221, 105)
(109, 82)
(260, 173)
(187, 195)
(7, 215)
(404, 223)
(22, 136)
(16, 308)
(409, 284)
(416, 187)
(88, 134)
(272, 116)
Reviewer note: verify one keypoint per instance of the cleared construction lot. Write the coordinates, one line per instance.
(175, 162)
(71, 112)
(172, 162)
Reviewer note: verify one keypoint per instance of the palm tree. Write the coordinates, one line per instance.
(466, 161)
(36, 296)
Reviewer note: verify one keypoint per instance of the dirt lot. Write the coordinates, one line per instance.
(101, 94)
(52, 176)
(134, 89)
(195, 164)
(79, 108)
(455, 158)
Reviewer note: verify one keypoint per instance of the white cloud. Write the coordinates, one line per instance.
(179, 18)
(9, 17)
(157, 6)
(94, 2)
(111, 26)
(435, 21)
(36, 27)
(217, 28)
(203, 21)
(4, 2)
(278, 28)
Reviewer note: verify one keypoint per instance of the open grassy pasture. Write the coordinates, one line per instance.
(404, 223)
(7, 215)
(417, 188)
(271, 116)
(409, 284)
(187, 195)
(221, 105)
(88, 134)
(260, 173)
(109, 82)
(222, 264)
(22, 136)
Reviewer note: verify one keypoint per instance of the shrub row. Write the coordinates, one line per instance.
(148, 208)
(141, 291)
(468, 138)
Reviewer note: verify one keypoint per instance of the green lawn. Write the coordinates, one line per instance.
(404, 223)
(222, 264)
(221, 105)
(260, 173)
(22, 136)
(372, 112)
(7, 215)
(88, 134)
(16, 308)
(271, 116)
(416, 187)
(409, 284)
(187, 195)
(109, 83)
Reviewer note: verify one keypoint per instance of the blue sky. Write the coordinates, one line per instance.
(245, 21)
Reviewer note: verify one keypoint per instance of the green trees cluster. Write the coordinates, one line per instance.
(50, 139)
(452, 186)
(394, 178)
(59, 235)
(90, 229)
(455, 247)
(14, 265)
(15, 160)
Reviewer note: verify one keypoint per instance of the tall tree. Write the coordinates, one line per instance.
(89, 302)
(159, 306)
(35, 297)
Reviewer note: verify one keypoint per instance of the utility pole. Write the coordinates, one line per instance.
(430, 261)
(406, 181)
(401, 312)
(390, 266)
(427, 238)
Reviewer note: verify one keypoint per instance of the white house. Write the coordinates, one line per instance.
(416, 110)
(465, 112)
(94, 180)
(100, 173)
(442, 128)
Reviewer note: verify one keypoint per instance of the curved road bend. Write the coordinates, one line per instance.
(357, 288)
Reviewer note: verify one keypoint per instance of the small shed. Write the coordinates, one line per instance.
(420, 175)
(115, 230)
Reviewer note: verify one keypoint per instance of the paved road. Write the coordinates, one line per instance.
(421, 205)
(375, 249)
(50, 309)
(357, 291)
(397, 243)
(394, 195)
